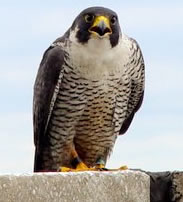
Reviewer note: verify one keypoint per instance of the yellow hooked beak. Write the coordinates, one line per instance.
(101, 26)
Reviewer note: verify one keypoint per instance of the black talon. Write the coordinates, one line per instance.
(103, 169)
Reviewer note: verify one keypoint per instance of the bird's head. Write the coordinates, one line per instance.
(97, 23)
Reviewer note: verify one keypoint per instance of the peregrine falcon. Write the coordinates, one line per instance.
(89, 86)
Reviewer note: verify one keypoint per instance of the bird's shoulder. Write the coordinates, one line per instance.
(135, 59)
(130, 44)
(52, 61)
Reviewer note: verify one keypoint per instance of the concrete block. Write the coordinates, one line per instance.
(118, 186)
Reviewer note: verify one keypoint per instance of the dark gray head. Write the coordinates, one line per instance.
(97, 22)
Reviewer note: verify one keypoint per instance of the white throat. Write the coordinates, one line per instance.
(96, 59)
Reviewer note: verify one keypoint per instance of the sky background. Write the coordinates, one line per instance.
(154, 141)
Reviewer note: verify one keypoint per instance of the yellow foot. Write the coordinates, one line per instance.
(118, 169)
(80, 167)
(123, 167)
(65, 169)
(100, 167)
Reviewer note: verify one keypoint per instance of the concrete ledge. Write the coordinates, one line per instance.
(121, 186)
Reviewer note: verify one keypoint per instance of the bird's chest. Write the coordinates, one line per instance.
(78, 93)
(88, 104)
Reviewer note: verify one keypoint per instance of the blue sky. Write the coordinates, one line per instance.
(155, 139)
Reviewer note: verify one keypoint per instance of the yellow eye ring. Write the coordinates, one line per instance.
(89, 18)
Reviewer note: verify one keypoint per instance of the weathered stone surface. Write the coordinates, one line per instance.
(177, 187)
(121, 186)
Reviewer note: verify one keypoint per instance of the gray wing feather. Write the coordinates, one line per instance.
(137, 73)
(45, 91)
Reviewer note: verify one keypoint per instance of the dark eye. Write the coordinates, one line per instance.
(113, 20)
(89, 18)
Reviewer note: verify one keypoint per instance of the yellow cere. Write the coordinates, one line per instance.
(98, 19)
